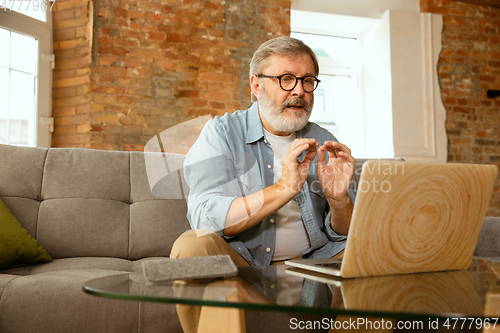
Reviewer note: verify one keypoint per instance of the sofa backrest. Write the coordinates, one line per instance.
(86, 203)
(82, 202)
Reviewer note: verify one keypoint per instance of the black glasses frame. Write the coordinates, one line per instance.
(296, 80)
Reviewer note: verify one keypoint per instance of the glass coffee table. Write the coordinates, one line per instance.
(473, 294)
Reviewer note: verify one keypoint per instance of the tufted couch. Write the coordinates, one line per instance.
(94, 213)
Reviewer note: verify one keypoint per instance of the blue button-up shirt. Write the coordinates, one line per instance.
(231, 159)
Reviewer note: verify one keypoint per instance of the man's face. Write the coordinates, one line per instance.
(283, 112)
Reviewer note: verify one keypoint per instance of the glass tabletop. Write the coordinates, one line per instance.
(471, 293)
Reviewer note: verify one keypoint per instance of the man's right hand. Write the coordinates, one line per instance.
(294, 173)
(246, 212)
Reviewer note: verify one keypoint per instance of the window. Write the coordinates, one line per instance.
(18, 77)
(378, 62)
(25, 76)
(336, 100)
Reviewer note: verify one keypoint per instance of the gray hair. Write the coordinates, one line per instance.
(282, 46)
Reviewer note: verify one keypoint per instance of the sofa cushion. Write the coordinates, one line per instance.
(35, 303)
(157, 176)
(86, 173)
(54, 302)
(154, 227)
(26, 212)
(21, 171)
(81, 263)
(17, 247)
(78, 227)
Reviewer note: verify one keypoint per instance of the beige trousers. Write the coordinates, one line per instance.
(194, 319)
(203, 319)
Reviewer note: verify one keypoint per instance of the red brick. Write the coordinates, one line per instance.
(219, 77)
(109, 90)
(81, 11)
(159, 36)
(450, 101)
(63, 140)
(76, 22)
(63, 111)
(104, 60)
(125, 100)
(120, 12)
(144, 53)
(63, 15)
(62, 34)
(486, 78)
(105, 41)
(135, 15)
(154, 17)
(176, 38)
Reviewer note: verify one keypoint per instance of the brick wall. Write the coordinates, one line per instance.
(72, 24)
(128, 70)
(468, 66)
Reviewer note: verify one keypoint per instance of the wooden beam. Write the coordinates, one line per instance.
(487, 3)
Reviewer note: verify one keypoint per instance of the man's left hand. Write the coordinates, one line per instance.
(335, 177)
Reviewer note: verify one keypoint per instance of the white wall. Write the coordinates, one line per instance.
(360, 8)
(377, 93)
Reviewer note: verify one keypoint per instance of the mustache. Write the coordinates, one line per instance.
(295, 101)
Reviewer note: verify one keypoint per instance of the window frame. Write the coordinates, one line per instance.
(343, 67)
(42, 31)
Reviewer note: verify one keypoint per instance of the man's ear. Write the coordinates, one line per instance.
(255, 85)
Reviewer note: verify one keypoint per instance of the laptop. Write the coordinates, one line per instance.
(412, 218)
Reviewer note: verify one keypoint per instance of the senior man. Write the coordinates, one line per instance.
(266, 185)
(261, 186)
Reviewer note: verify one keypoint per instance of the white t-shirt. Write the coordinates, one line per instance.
(291, 235)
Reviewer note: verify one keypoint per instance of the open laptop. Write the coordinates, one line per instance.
(412, 217)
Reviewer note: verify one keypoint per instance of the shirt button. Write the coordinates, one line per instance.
(273, 285)
(269, 166)
(272, 220)
(268, 250)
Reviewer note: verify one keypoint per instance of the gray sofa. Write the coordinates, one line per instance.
(94, 213)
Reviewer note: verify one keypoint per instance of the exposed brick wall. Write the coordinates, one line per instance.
(145, 66)
(468, 66)
(72, 25)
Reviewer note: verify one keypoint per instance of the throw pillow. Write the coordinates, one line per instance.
(17, 247)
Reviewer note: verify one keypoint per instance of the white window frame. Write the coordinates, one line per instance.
(403, 112)
(42, 31)
(344, 67)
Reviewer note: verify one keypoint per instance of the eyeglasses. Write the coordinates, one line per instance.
(289, 81)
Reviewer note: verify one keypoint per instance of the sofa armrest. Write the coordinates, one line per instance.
(488, 244)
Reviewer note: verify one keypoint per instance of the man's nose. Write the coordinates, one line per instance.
(298, 90)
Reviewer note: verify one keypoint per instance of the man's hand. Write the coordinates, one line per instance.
(246, 212)
(294, 173)
(335, 177)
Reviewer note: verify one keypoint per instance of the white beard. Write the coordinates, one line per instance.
(279, 121)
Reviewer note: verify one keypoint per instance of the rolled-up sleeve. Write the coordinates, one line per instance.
(212, 186)
(330, 233)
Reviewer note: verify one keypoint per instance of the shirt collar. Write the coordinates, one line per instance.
(255, 130)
